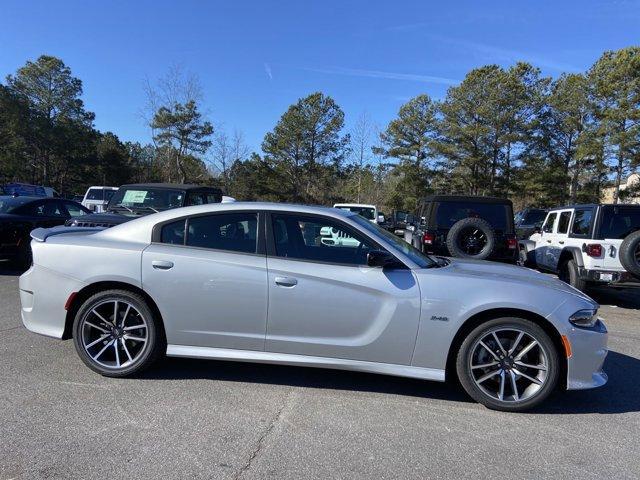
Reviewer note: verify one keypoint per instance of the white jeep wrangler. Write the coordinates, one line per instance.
(587, 245)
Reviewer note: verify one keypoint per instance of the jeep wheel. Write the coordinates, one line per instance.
(568, 273)
(471, 238)
(630, 253)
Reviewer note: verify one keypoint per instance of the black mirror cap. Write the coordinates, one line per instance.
(382, 259)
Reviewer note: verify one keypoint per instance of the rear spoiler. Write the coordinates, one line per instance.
(41, 234)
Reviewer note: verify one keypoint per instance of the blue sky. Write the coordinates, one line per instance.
(255, 58)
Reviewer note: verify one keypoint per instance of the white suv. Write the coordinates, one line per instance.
(588, 244)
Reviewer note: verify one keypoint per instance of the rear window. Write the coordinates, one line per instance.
(100, 194)
(497, 215)
(618, 222)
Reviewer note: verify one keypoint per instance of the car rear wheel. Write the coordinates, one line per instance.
(116, 334)
(508, 364)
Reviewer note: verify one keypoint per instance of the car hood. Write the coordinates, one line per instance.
(510, 274)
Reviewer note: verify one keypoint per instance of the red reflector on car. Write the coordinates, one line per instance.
(512, 242)
(594, 250)
(69, 301)
(428, 238)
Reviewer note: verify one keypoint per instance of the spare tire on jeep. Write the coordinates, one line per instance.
(471, 238)
(630, 253)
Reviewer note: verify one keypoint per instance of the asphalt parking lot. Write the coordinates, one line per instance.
(208, 419)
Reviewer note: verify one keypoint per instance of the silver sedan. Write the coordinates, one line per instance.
(310, 286)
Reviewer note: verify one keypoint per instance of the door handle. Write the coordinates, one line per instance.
(548, 241)
(162, 264)
(561, 242)
(286, 281)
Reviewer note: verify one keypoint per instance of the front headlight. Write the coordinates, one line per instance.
(584, 318)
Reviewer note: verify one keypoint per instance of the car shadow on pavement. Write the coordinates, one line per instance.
(620, 395)
(306, 377)
(623, 298)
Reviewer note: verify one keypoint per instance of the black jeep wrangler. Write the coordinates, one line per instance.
(479, 228)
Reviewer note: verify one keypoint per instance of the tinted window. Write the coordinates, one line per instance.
(548, 223)
(582, 222)
(318, 239)
(563, 223)
(618, 222)
(449, 213)
(236, 232)
(74, 209)
(12, 205)
(42, 209)
(195, 199)
(173, 233)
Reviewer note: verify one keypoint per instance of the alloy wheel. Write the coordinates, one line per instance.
(114, 334)
(509, 365)
(472, 240)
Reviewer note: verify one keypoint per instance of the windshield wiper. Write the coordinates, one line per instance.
(121, 206)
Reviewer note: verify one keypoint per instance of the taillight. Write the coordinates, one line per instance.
(594, 250)
(512, 242)
(428, 238)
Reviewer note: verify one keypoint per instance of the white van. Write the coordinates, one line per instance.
(97, 198)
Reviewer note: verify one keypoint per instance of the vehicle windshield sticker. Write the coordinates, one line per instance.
(134, 196)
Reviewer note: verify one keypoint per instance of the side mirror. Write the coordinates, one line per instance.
(380, 218)
(380, 258)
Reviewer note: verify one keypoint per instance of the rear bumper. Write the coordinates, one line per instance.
(609, 277)
(43, 294)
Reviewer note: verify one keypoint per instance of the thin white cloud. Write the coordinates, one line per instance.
(494, 54)
(267, 70)
(412, 77)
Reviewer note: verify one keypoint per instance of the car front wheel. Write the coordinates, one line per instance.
(116, 334)
(508, 364)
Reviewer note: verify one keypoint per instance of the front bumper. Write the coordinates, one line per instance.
(588, 353)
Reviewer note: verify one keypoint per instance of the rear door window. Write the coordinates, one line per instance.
(234, 232)
(563, 222)
(582, 222)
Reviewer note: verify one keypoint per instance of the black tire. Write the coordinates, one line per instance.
(155, 344)
(469, 382)
(630, 253)
(24, 258)
(568, 273)
(460, 230)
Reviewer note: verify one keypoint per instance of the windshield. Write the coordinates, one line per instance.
(147, 199)
(10, 204)
(618, 222)
(99, 194)
(419, 258)
(534, 217)
(366, 212)
(497, 215)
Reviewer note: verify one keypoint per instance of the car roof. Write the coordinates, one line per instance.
(171, 186)
(466, 198)
(27, 198)
(594, 205)
(365, 205)
(139, 228)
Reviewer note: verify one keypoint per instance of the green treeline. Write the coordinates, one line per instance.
(505, 132)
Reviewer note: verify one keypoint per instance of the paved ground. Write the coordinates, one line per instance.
(206, 419)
